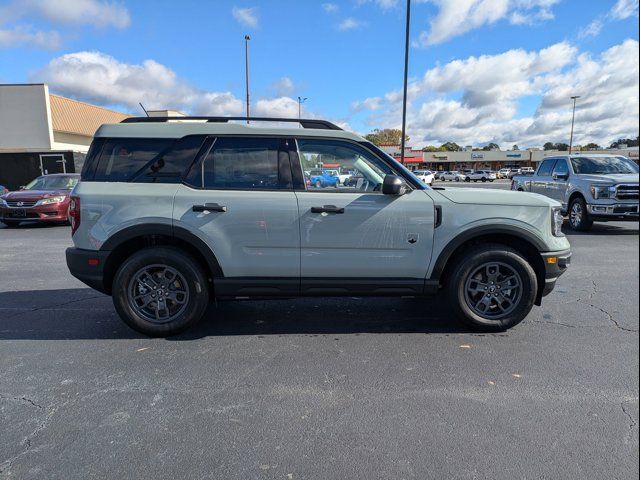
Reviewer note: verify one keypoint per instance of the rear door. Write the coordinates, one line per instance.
(352, 236)
(239, 199)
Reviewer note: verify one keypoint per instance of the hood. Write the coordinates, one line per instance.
(612, 178)
(34, 194)
(486, 196)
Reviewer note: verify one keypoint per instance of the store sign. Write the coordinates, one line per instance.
(514, 155)
(477, 155)
(440, 157)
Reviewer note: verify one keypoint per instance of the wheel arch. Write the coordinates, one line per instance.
(131, 239)
(519, 239)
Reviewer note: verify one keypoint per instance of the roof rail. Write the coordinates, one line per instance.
(305, 122)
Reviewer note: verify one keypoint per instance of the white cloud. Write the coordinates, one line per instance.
(99, 78)
(284, 107)
(457, 17)
(591, 30)
(247, 17)
(27, 36)
(350, 23)
(475, 100)
(624, 9)
(283, 86)
(330, 7)
(383, 4)
(72, 12)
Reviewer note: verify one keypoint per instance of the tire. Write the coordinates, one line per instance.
(491, 180)
(191, 281)
(484, 180)
(467, 179)
(11, 223)
(457, 179)
(470, 273)
(578, 216)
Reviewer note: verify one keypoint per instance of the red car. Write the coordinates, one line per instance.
(45, 199)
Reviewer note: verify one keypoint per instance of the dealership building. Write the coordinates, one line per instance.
(42, 133)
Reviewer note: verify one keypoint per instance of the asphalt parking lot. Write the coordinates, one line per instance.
(319, 388)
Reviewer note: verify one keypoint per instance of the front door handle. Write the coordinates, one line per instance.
(209, 207)
(327, 209)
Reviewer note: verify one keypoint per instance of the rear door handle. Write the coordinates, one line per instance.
(327, 209)
(209, 207)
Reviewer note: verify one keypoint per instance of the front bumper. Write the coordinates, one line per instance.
(56, 212)
(88, 267)
(555, 264)
(617, 211)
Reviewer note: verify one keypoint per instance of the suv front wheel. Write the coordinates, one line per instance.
(492, 287)
(160, 291)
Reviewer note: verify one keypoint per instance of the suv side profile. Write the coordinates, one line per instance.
(170, 214)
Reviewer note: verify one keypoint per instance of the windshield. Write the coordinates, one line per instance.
(57, 182)
(603, 165)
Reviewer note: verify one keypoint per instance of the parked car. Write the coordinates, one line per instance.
(482, 175)
(513, 172)
(324, 178)
(343, 177)
(200, 211)
(527, 171)
(45, 199)
(590, 187)
(425, 176)
(503, 173)
(453, 176)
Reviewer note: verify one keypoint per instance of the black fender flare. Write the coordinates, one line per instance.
(480, 231)
(150, 229)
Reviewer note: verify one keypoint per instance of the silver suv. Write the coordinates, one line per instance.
(171, 213)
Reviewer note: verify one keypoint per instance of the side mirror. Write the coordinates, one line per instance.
(393, 185)
(561, 176)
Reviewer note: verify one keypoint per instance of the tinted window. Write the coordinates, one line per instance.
(123, 158)
(91, 160)
(247, 163)
(546, 167)
(170, 166)
(561, 167)
(603, 165)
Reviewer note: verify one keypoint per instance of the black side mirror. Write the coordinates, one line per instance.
(393, 185)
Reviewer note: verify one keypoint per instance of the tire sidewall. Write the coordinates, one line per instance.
(585, 222)
(190, 270)
(476, 257)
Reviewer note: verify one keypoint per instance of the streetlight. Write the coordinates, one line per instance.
(573, 117)
(406, 71)
(246, 69)
(301, 100)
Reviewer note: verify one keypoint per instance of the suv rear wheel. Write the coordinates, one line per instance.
(492, 287)
(160, 291)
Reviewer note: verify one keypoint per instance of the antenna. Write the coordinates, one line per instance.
(143, 109)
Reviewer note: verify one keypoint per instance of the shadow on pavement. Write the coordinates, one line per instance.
(81, 313)
(631, 228)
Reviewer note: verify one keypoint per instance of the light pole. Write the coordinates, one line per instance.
(246, 70)
(573, 117)
(301, 100)
(406, 73)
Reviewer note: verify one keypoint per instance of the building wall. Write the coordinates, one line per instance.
(19, 168)
(71, 141)
(25, 122)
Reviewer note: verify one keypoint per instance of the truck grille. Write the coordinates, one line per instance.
(21, 203)
(627, 192)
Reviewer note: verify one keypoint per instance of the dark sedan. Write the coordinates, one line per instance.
(45, 199)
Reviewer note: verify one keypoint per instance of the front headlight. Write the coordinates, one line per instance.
(3, 203)
(556, 222)
(50, 200)
(599, 190)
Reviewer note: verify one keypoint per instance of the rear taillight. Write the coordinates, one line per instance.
(74, 213)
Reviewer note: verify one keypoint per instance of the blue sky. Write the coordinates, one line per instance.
(481, 70)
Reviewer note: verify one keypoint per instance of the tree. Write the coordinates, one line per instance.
(491, 146)
(388, 136)
(515, 147)
(431, 148)
(629, 142)
(591, 146)
(450, 147)
(563, 147)
(549, 146)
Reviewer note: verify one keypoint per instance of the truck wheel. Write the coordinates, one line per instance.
(491, 287)
(484, 179)
(160, 291)
(578, 216)
(467, 179)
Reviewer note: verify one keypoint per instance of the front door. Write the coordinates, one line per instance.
(542, 177)
(356, 232)
(559, 184)
(52, 163)
(240, 201)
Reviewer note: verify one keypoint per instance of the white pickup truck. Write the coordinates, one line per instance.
(591, 187)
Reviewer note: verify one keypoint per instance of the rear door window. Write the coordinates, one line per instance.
(123, 158)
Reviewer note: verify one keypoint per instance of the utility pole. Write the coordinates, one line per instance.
(406, 73)
(573, 117)
(246, 70)
(301, 100)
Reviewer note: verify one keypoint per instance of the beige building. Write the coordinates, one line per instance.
(44, 133)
